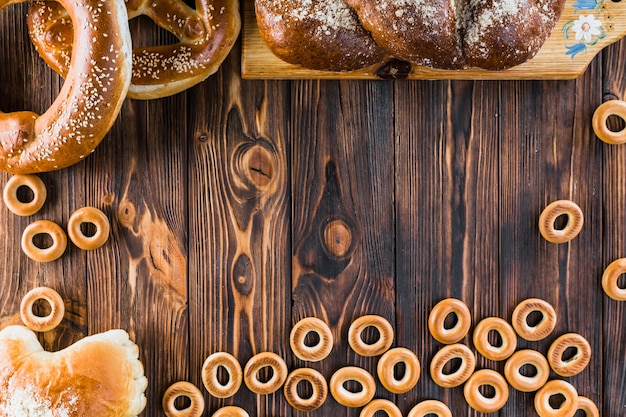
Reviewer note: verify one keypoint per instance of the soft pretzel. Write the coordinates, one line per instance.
(477, 400)
(428, 407)
(600, 117)
(318, 385)
(556, 387)
(298, 335)
(386, 370)
(95, 87)
(588, 407)
(445, 355)
(574, 365)
(522, 382)
(385, 331)
(206, 35)
(611, 276)
(183, 389)
(542, 329)
(260, 361)
(14, 204)
(49, 322)
(506, 332)
(575, 220)
(210, 379)
(44, 227)
(88, 215)
(349, 398)
(380, 404)
(437, 317)
(231, 411)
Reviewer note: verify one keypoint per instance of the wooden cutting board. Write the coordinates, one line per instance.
(563, 56)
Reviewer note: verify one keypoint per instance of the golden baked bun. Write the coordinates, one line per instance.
(98, 376)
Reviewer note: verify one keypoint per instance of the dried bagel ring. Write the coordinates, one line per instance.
(477, 400)
(299, 333)
(588, 407)
(260, 361)
(575, 364)
(386, 370)
(206, 35)
(575, 220)
(556, 387)
(610, 279)
(383, 405)
(210, 379)
(183, 389)
(35, 322)
(600, 118)
(445, 355)
(231, 411)
(506, 332)
(428, 407)
(44, 227)
(318, 386)
(437, 317)
(542, 329)
(88, 215)
(349, 398)
(14, 204)
(513, 367)
(385, 332)
(89, 101)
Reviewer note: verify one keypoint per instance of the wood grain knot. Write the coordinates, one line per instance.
(126, 214)
(258, 165)
(338, 238)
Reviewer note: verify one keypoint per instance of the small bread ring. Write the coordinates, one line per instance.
(522, 382)
(260, 361)
(386, 367)
(545, 325)
(477, 400)
(348, 398)
(574, 365)
(611, 276)
(210, 379)
(311, 353)
(49, 322)
(183, 389)
(506, 332)
(445, 355)
(556, 387)
(588, 407)
(231, 411)
(13, 203)
(318, 385)
(88, 215)
(59, 241)
(437, 317)
(383, 405)
(377, 348)
(429, 407)
(575, 220)
(600, 117)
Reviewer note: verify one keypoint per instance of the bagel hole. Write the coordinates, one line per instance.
(534, 318)
(452, 366)
(495, 338)
(528, 370)
(450, 321)
(487, 391)
(399, 371)
(312, 339)
(24, 194)
(265, 374)
(621, 282)
(43, 241)
(615, 124)
(304, 389)
(569, 354)
(370, 335)
(88, 229)
(560, 223)
(146, 33)
(223, 376)
(42, 308)
(182, 402)
(556, 401)
(353, 386)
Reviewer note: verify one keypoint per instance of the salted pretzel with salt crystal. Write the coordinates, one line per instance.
(206, 35)
(97, 82)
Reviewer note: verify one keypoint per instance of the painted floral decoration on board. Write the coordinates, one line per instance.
(587, 30)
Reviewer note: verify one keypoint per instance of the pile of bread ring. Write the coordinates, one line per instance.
(90, 44)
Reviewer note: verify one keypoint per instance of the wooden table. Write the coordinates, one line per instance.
(240, 207)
